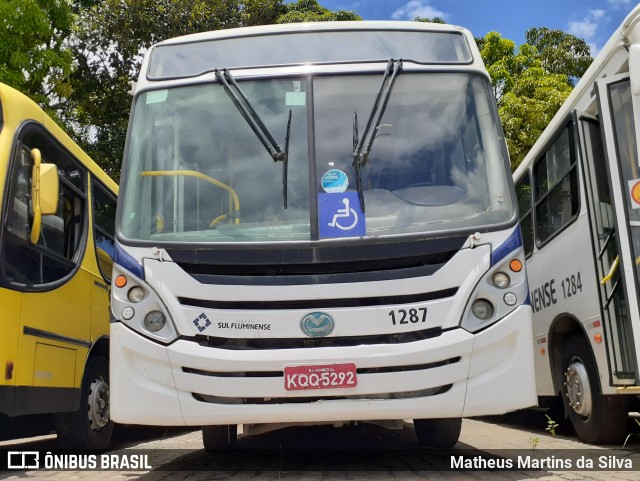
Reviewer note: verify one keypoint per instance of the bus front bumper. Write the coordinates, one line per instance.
(457, 374)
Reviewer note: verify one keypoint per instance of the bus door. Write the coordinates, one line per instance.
(613, 181)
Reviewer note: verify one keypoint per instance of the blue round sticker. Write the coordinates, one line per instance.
(335, 180)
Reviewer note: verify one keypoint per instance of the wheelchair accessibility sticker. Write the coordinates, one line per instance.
(340, 215)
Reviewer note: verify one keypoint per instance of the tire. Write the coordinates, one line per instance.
(438, 433)
(90, 427)
(596, 418)
(216, 438)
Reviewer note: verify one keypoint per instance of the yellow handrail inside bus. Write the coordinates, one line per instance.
(612, 271)
(200, 175)
(614, 266)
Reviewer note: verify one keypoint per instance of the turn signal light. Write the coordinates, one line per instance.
(120, 281)
(515, 265)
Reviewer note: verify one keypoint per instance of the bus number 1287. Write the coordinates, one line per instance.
(403, 316)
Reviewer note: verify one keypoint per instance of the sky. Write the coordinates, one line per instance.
(593, 20)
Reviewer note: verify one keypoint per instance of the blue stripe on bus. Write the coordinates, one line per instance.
(125, 260)
(503, 250)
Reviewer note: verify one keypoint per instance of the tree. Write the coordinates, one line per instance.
(429, 20)
(312, 11)
(110, 41)
(560, 52)
(33, 55)
(527, 109)
(498, 56)
(109, 44)
(531, 83)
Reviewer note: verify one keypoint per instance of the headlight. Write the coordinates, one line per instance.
(497, 293)
(501, 280)
(137, 305)
(135, 294)
(154, 321)
(482, 309)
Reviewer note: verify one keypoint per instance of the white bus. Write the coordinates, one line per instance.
(318, 225)
(578, 190)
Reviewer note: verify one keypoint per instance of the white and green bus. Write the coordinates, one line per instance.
(318, 225)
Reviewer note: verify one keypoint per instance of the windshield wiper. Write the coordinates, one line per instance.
(360, 152)
(257, 125)
(285, 161)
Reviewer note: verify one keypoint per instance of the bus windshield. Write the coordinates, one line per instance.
(197, 172)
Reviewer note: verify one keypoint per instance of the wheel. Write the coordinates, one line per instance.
(596, 418)
(90, 426)
(438, 433)
(219, 437)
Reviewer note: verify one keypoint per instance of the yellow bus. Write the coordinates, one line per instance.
(56, 250)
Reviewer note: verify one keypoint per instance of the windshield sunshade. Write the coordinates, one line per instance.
(195, 58)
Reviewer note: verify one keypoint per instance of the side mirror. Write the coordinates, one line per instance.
(105, 262)
(44, 192)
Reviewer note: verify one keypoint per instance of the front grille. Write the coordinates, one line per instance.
(312, 264)
(359, 371)
(309, 304)
(307, 343)
(342, 267)
(297, 400)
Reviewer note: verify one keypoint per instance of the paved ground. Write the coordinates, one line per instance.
(356, 452)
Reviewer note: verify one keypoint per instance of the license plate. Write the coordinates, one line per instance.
(322, 376)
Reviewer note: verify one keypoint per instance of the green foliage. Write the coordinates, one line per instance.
(498, 56)
(429, 20)
(551, 426)
(112, 36)
(312, 11)
(34, 57)
(531, 83)
(110, 40)
(528, 108)
(560, 52)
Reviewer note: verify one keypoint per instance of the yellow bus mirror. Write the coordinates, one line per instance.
(105, 263)
(44, 192)
(48, 189)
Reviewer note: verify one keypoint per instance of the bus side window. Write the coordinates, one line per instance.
(555, 187)
(104, 215)
(523, 191)
(57, 252)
